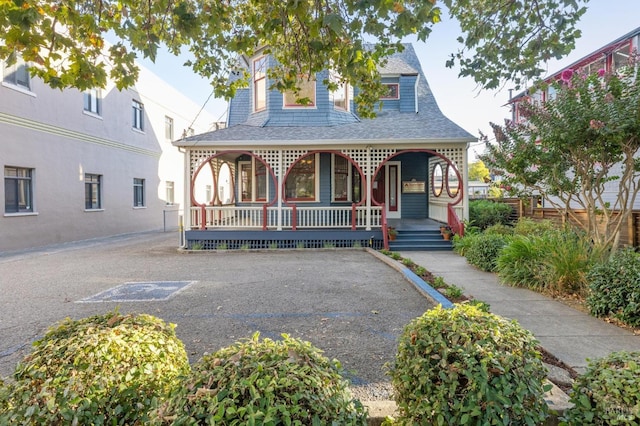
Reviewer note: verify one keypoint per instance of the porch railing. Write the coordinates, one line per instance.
(247, 217)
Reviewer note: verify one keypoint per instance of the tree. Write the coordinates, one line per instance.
(478, 171)
(64, 41)
(578, 150)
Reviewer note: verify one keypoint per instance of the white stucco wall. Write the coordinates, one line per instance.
(46, 130)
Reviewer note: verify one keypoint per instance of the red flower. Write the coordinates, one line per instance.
(566, 75)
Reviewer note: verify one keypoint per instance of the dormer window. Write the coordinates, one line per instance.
(392, 91)
(260, 84)
(341, 94)
(306, 96)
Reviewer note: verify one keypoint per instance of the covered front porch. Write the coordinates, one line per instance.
(319, 198)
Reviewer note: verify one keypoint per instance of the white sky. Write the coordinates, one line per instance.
(458, 98)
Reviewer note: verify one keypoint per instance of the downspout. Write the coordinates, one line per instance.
(279, 191)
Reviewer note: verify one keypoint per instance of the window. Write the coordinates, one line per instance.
(169, 192)
(18, 190)
(305, 97)
(92, 98)
(138, 115)
(301, 181)
(253, 181)
(341, 94)
(17, 74)
(620, 56)
(341, 178)
(138, 192)
(260, 84)
(168, 128)
(392, 91)
(92, 191)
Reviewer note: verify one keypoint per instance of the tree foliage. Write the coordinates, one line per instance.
(578, 150)
(478, 171)
(65, 44)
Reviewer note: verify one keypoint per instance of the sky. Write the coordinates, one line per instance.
(458, 98)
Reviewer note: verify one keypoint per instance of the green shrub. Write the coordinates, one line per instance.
(484, 213)
(484, 250)
(264, 382)
(453, 292)
(608, 393)
(569, 256)
(463, 366)
(105, 369)
(615, 288)
(461, 244)
(527, 226)
(499, 229)
(479, 304)
(520, 262)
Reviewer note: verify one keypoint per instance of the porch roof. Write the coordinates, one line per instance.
(389, 127)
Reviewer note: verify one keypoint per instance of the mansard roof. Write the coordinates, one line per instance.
(428, 124)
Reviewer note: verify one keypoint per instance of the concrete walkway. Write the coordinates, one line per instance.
(569, 334)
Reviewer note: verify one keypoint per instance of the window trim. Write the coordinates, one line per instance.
(316, 180)
(170, 192)
(99, 190)
(349, 197)
(139, 183)
(30, 210)
(169, 126)
(261, 80)
(252, 166)
(305, 81)
(393, 98)
(6, 69)
(92, 94)
(137, 119)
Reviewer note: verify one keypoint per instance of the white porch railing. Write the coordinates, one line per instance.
(221, 217)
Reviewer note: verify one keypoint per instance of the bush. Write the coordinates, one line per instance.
(520, 262)
(483, 251)
(615, 288)
(569, 255)
(555, 261)
(608, 393)
(264, 382)
(499, 229)
(526, 226)
(464, 366)
(484, 213)
(461, 244)
(105, 369)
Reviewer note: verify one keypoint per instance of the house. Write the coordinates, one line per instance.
(287, 173)
(609, 57)
(79, 165)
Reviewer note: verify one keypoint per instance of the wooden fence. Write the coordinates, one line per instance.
(629, 235)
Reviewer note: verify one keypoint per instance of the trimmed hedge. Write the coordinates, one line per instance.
(463, 366)
(484, 213)
(264, 382)
(102, 370)
(483, 250)
(608, 393)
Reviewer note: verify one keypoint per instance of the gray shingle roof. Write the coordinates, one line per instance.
(427, 125)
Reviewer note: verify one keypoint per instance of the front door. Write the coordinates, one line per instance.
(392, 193)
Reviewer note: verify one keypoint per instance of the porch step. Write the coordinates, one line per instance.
(419, 240)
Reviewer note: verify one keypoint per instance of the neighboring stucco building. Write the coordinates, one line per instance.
(314, 173)
(79, 165)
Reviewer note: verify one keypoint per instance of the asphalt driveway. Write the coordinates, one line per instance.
(346, 302)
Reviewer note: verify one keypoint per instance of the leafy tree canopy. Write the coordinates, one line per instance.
(64, 41)
(478, 171)
(579, 150)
